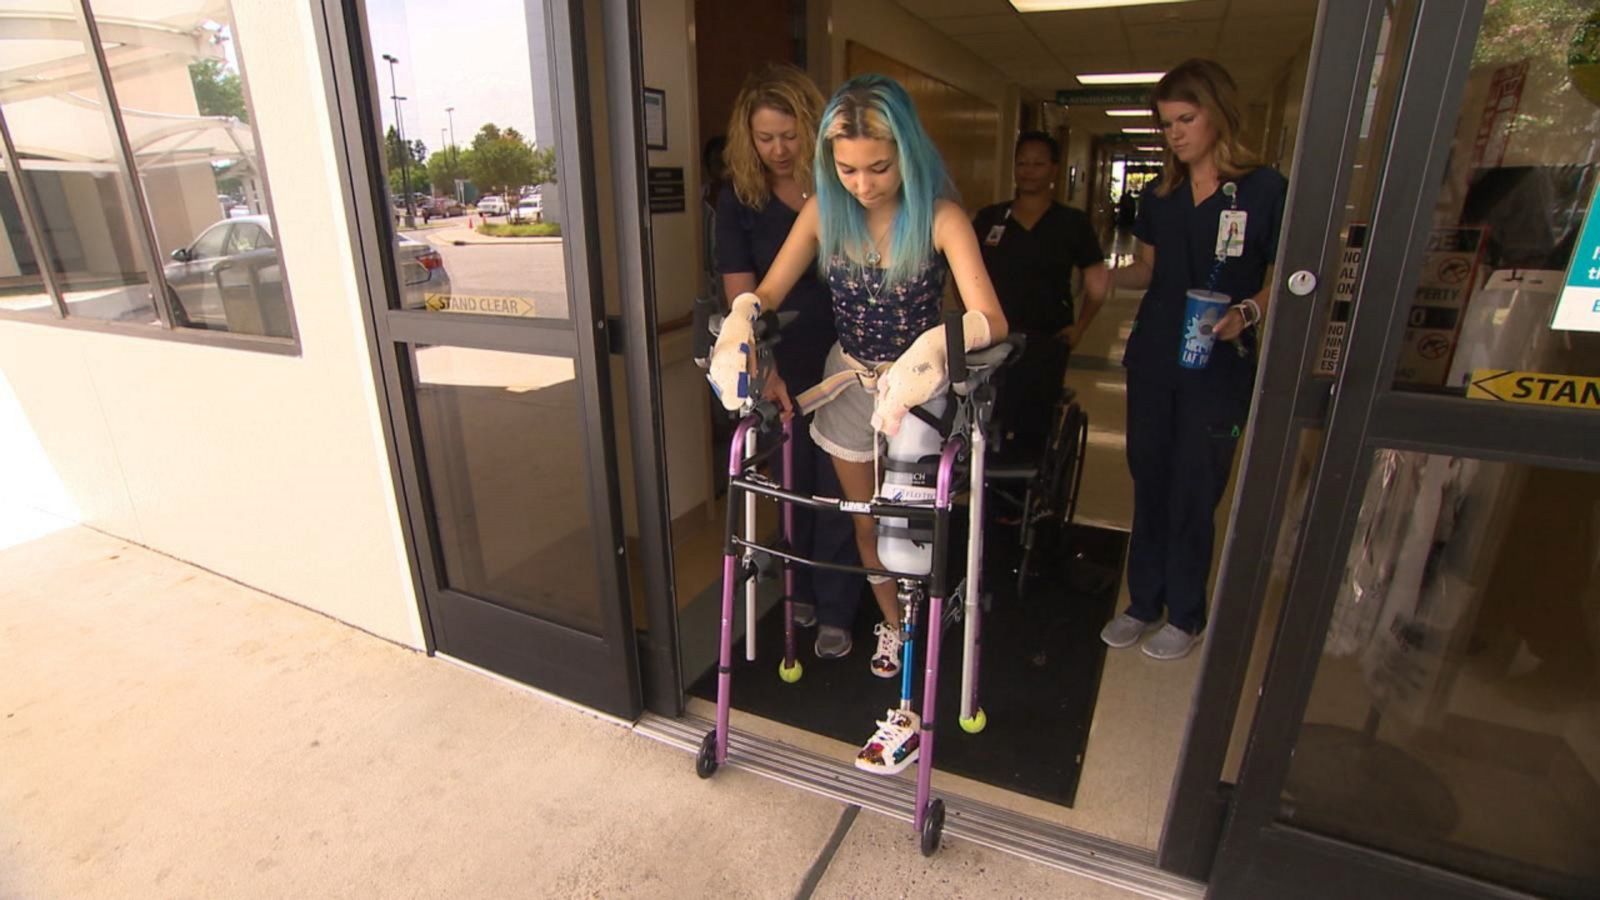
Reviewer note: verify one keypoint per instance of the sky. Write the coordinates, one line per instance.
(469, 54)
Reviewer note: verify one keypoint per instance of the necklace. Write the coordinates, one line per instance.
(873, 256)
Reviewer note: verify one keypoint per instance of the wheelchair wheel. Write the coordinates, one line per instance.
(1075, 447)
(1052, 496)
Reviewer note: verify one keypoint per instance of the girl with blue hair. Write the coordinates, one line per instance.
(884, 232)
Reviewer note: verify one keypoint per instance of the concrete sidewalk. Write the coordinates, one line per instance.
(166, 732)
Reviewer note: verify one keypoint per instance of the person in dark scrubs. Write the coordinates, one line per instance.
(771, 142)
(1184, 423)
(1030, 247)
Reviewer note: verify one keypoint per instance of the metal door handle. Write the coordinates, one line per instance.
(1302, 283)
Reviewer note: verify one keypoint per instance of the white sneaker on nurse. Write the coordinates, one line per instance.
(1171, 642)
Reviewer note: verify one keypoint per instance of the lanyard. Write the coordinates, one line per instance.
(1231, 191)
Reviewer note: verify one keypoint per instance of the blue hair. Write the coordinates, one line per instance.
(876, 106)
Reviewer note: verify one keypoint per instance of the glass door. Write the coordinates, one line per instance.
(476, 181)
(1429, 725)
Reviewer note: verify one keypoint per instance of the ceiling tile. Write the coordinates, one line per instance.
(943, 8)
(1002, 46)
(959, 25)
(1247, 9)
(1168, 12)
(1090, 21)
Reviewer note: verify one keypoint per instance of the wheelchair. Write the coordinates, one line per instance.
(928, 599)
(1043, 493)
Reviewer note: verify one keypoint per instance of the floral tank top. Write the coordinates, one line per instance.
(877, 324)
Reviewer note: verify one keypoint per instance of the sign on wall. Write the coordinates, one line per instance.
(1433, 325)
(1104, 97)
(1344, 291)
(1449, 276)
(1578, 308)
(1538, 388)
(665, 184)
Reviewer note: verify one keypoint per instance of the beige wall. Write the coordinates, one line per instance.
(268, 469)
(887, 28)
(669, 65)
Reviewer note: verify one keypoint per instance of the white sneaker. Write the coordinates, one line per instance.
(1171, 642)
(893, 747)
(1125, 631)
(886, 659)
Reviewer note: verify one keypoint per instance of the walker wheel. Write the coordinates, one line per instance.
(932, 827)
(705, 762)
(790, 674)
(975, 724)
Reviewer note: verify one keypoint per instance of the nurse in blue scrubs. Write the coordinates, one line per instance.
(771, 140)
(1209, 222)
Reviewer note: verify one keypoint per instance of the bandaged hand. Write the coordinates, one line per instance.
(729, 372)
(922, 372)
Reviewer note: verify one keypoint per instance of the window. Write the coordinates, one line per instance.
(65, 155)
(192, 226)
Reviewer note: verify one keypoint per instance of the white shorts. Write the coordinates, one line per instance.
(842, 427)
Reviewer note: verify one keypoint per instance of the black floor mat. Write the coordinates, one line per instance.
(1039, 671)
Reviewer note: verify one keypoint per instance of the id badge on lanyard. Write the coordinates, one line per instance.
(996, 232)
(1230, 225)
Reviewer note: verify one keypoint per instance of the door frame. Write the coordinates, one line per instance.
(1287, 401)
(635, 335)
(1258, 855)
(598, 671)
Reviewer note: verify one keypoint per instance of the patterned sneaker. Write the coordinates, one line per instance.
(886, 659)
(893, 746)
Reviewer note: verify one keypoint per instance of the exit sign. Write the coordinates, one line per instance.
(1104, 97)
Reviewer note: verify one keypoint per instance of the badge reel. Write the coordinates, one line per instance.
(997, 232)
(1230, 238)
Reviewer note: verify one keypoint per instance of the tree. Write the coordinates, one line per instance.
(217, 91)
(419, 180)
(500, 160)
(395, 151)
(444, 167)
(544, 166)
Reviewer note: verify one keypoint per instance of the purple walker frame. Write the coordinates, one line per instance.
(928, 814)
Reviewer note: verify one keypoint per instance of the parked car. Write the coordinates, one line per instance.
(447, 206)
(422, 275)
(230, 278)
(493, 206)
(530, 209)
(420, 209)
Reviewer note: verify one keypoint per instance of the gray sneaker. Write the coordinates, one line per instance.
(1125, 631)
(1171, 642)
(833, 642)
(805, 614)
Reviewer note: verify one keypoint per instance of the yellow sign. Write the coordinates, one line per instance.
(1534, 387)
(483, 306)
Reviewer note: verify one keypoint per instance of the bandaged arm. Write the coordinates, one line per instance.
(731, 362)
(729, 371)
(922, 372)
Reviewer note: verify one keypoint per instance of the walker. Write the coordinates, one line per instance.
(960, 418)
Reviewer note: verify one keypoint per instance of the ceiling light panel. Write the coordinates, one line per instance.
(1128, 112)
(1120, 78)
(1039, 6)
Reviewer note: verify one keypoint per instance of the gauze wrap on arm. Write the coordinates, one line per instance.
(921, 372)
(729, 372)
